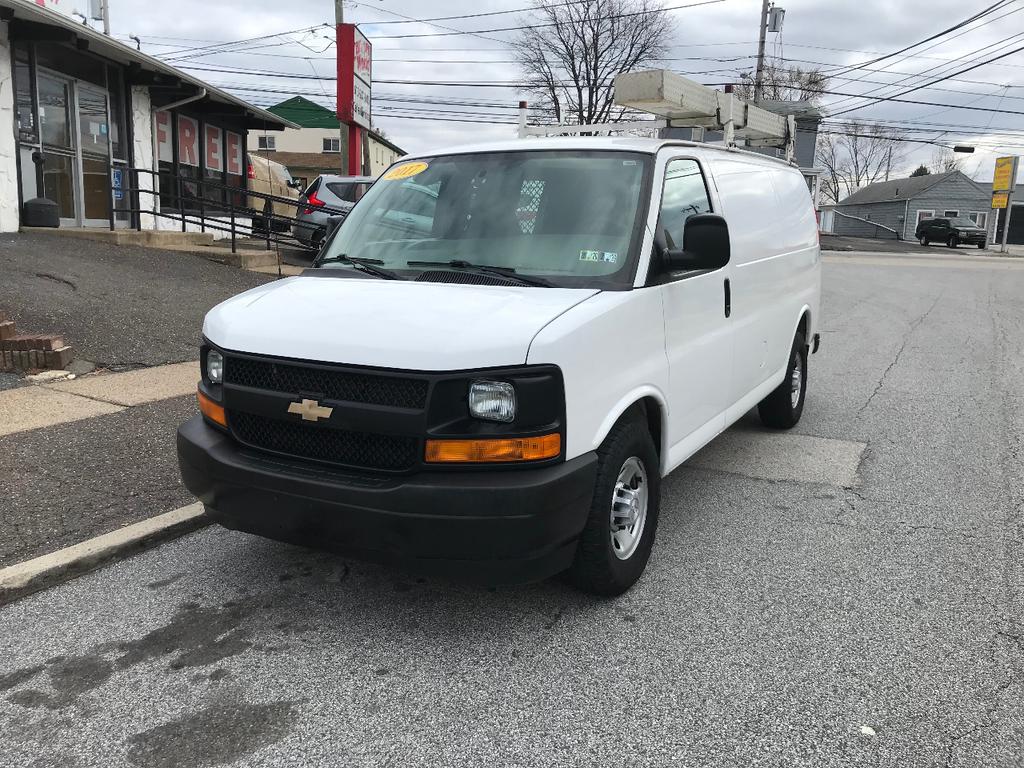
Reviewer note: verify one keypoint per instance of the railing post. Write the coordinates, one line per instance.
(231, 208)
(202, 206)
(138, 196)
(110, 199)
(268, 208)
(181, 204)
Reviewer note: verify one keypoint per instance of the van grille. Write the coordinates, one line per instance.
(373, 389)
(336, 446)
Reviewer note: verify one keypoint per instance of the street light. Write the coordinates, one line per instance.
(965, 148)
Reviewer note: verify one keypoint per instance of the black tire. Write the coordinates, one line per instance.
(923, 240)
(597, 568)
(319, 240)
(952, 242)
(981, 246)
(777, 411)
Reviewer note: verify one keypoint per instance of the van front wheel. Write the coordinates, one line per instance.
(782, 408)
(616, 542)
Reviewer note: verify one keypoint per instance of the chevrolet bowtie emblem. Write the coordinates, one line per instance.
(310, 410)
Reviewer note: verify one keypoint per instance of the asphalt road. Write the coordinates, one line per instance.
(782, 622)
(117, 306)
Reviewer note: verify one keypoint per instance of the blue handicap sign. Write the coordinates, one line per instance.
(117, 174)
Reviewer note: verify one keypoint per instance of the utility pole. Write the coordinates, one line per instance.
(105, 8)
(888, 163)
(339, 19)
(759, 77)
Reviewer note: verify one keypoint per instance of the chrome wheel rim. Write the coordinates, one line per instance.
(629, 508)
(796, 382)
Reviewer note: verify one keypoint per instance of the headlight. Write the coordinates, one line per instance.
(215, 366)
(492, 400)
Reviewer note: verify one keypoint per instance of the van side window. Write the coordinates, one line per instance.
(684, 195)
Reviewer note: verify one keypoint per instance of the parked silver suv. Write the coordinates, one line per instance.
(328, 195)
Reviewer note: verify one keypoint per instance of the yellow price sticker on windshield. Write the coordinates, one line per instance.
(405, 171)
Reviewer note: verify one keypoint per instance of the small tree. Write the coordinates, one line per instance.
(921, 170)
(570, 58)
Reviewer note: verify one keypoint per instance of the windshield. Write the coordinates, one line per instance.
(960, 221)
(570, 217)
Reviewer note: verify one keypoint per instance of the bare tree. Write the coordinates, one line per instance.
(782, 83)
(944, 160)
(855, 154)
(569, 59)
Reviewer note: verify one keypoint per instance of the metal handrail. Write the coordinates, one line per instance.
(208, 208)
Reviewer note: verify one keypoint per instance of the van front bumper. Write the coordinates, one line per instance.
(495, 526)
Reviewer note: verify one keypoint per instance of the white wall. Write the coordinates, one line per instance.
(312, 140)
(295, 140)
(142, 151)
(10, 216)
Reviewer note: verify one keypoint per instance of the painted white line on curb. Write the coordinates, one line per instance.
(30, 576)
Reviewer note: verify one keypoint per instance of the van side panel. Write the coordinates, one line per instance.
(611, 349)
(776, 262)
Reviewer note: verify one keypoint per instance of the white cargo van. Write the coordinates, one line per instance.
(497, 386)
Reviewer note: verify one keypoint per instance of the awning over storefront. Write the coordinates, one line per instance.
(32, 22)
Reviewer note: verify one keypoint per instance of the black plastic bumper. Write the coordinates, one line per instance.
(495, 526)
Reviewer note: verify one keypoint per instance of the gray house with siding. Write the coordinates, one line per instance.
(892, 209)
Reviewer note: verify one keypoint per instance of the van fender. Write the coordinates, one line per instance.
(626, 402)
(804, 311)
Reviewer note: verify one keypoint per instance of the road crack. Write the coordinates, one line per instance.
(899, 353)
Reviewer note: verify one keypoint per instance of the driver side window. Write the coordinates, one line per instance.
(685, 194)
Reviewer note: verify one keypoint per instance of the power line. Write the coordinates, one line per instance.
(893, 97)
(953, 28)
(522, 27)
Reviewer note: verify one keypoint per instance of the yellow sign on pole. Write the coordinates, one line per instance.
(1002, 179)
(1000, 199)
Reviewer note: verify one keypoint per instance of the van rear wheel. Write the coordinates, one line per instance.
(616, 542)
(783, 407)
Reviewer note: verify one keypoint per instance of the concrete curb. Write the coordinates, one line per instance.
(23, 579)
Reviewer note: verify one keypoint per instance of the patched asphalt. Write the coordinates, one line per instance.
(117, 306)
(781, 622)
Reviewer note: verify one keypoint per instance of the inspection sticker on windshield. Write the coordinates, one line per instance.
(608, 257)
(405, 171)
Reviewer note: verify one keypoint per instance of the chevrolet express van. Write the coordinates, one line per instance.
(495, 383)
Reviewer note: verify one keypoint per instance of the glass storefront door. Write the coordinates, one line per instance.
(94, 144)
(75, 132)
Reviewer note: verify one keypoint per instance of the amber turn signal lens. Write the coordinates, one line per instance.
(482, 451)
(211, 409)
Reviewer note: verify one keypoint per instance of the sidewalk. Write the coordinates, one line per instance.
(87, 456)
(84, 457)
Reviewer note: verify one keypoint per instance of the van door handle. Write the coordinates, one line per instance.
(728, 298)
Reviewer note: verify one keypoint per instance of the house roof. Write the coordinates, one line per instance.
(901, 189)
(309, 114)
(103, 45)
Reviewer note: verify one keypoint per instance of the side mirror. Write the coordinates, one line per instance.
(705, 245)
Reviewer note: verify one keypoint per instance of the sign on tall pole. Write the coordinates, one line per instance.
(1004, 181)
(355, 78)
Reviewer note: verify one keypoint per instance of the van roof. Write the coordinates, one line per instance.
(619, 143)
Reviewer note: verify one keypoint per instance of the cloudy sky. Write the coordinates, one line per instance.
(717, 41)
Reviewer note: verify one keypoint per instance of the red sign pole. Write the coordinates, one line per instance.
(355, 59)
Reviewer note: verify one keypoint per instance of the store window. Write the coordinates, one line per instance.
(268, 143)
(54, 111)
(332, 145)
(28, 126)
(980, 218)
(213, 164)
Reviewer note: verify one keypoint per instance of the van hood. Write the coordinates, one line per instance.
(389, 323)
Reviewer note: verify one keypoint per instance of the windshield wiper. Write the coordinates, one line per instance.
(487, 269)
(369, 266)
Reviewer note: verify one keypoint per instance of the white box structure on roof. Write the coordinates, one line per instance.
(685, 103)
